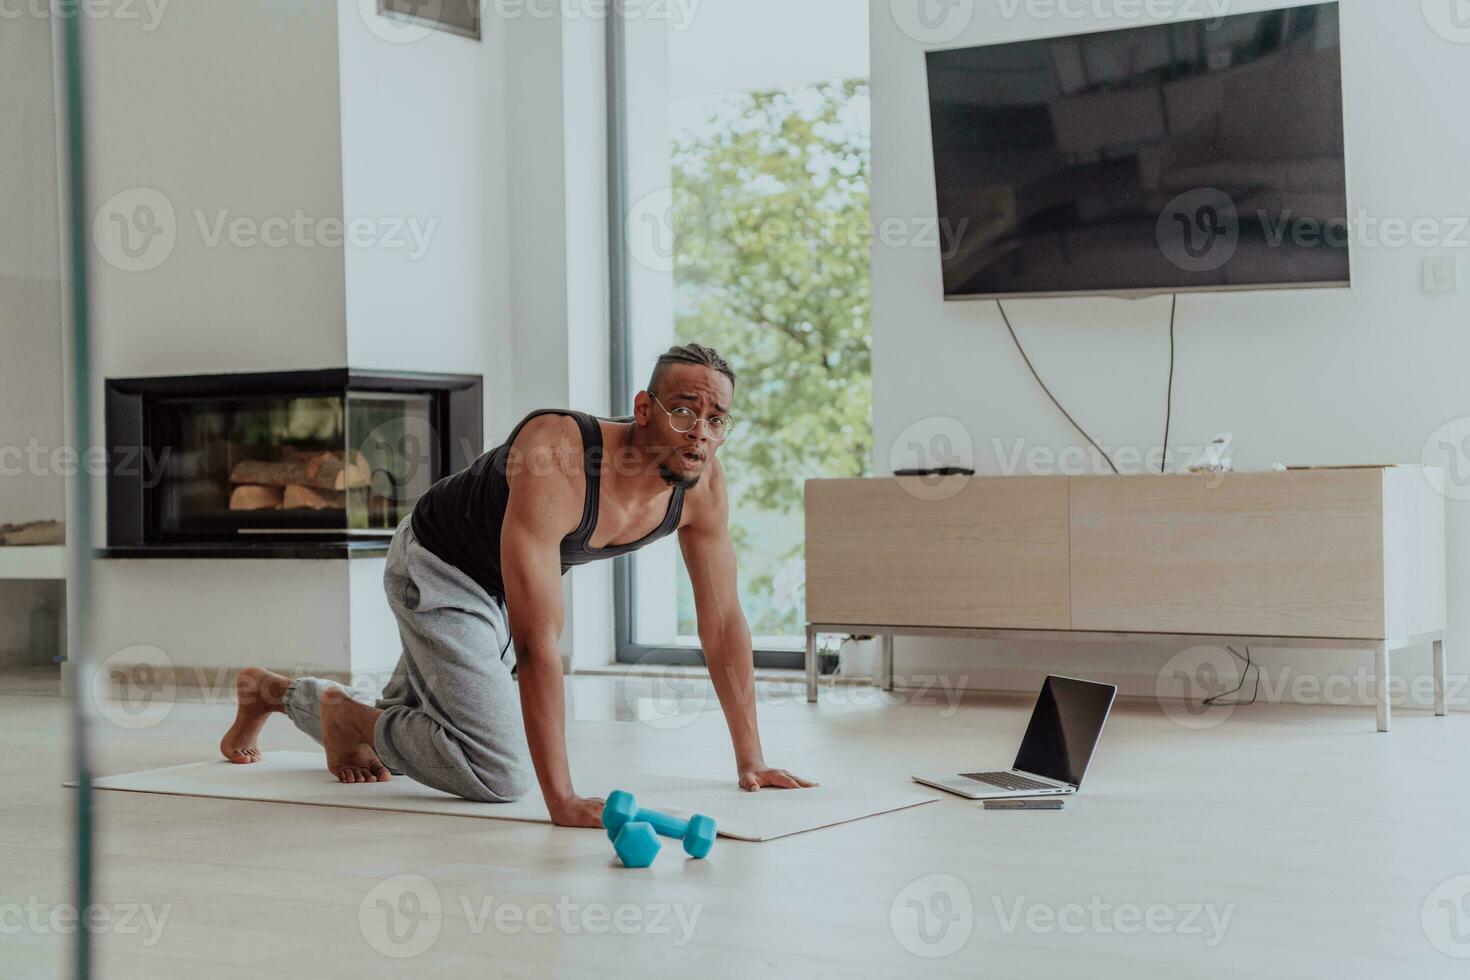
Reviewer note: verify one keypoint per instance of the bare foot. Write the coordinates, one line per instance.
(347, 735)
(258, 693)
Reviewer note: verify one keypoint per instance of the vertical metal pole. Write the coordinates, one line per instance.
(1441, 676)
(617, 202)
(885, 661)
(1381, 667)
(79, 499)
(811, 666)
(621, 347)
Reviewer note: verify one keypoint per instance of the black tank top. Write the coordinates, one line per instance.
(459, 518)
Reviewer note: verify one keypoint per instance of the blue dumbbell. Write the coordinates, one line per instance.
(637, 844)
(621, 811)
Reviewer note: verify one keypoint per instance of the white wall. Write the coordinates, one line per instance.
(30, 309)
(491, 149)
(424, 145)
(424, 141)
(558, 266)
(222, 109)
(286, 615)
(1310, 377)
(30, 274)
(216, 109)
(501, 144)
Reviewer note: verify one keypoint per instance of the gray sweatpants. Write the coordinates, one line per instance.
(451, 712)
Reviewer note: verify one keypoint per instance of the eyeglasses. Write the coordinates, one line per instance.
(683, 420)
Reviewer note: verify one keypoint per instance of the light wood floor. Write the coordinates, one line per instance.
(1323, 841)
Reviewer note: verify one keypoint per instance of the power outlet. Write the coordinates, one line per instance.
(1440, 276)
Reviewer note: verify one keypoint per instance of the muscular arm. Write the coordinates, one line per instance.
(709, 554)
(544, 506)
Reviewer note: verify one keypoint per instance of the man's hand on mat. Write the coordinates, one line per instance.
(578, 811)
(754, 777)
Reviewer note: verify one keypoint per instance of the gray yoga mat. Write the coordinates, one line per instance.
(300, 777)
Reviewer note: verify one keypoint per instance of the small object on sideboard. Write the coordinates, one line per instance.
(1214, 458)
(937, 471)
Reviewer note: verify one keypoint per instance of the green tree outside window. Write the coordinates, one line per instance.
(771, 268)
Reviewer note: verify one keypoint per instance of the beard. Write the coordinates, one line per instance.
(676, 481)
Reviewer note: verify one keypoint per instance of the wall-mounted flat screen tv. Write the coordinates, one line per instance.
(1197, 155)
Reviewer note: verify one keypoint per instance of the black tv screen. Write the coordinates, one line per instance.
(1184, 156)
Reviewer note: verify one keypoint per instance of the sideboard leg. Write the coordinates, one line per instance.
(1385, 711)
(885, 661)
(811, 666)
(1441, 670)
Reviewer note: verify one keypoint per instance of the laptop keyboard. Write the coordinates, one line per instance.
(1007, 780)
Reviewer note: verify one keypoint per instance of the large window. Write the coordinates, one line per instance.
(741, 176)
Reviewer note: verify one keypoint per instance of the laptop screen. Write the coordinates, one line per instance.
(1064, 728)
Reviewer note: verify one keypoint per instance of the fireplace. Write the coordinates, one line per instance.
(285, 464)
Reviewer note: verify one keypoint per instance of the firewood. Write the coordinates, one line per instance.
(314, 499)
(252, 497)
(266, 473)
(329, 471)
(359, 474)
(33, 533)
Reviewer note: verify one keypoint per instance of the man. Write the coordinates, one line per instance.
(477, 566)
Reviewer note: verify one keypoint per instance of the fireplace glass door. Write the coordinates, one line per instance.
(290, 464)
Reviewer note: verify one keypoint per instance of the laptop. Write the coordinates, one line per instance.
(1065, 726)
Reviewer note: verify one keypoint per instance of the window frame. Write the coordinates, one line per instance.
(625, 579)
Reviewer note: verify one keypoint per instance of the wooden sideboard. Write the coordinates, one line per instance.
(1349, 558)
